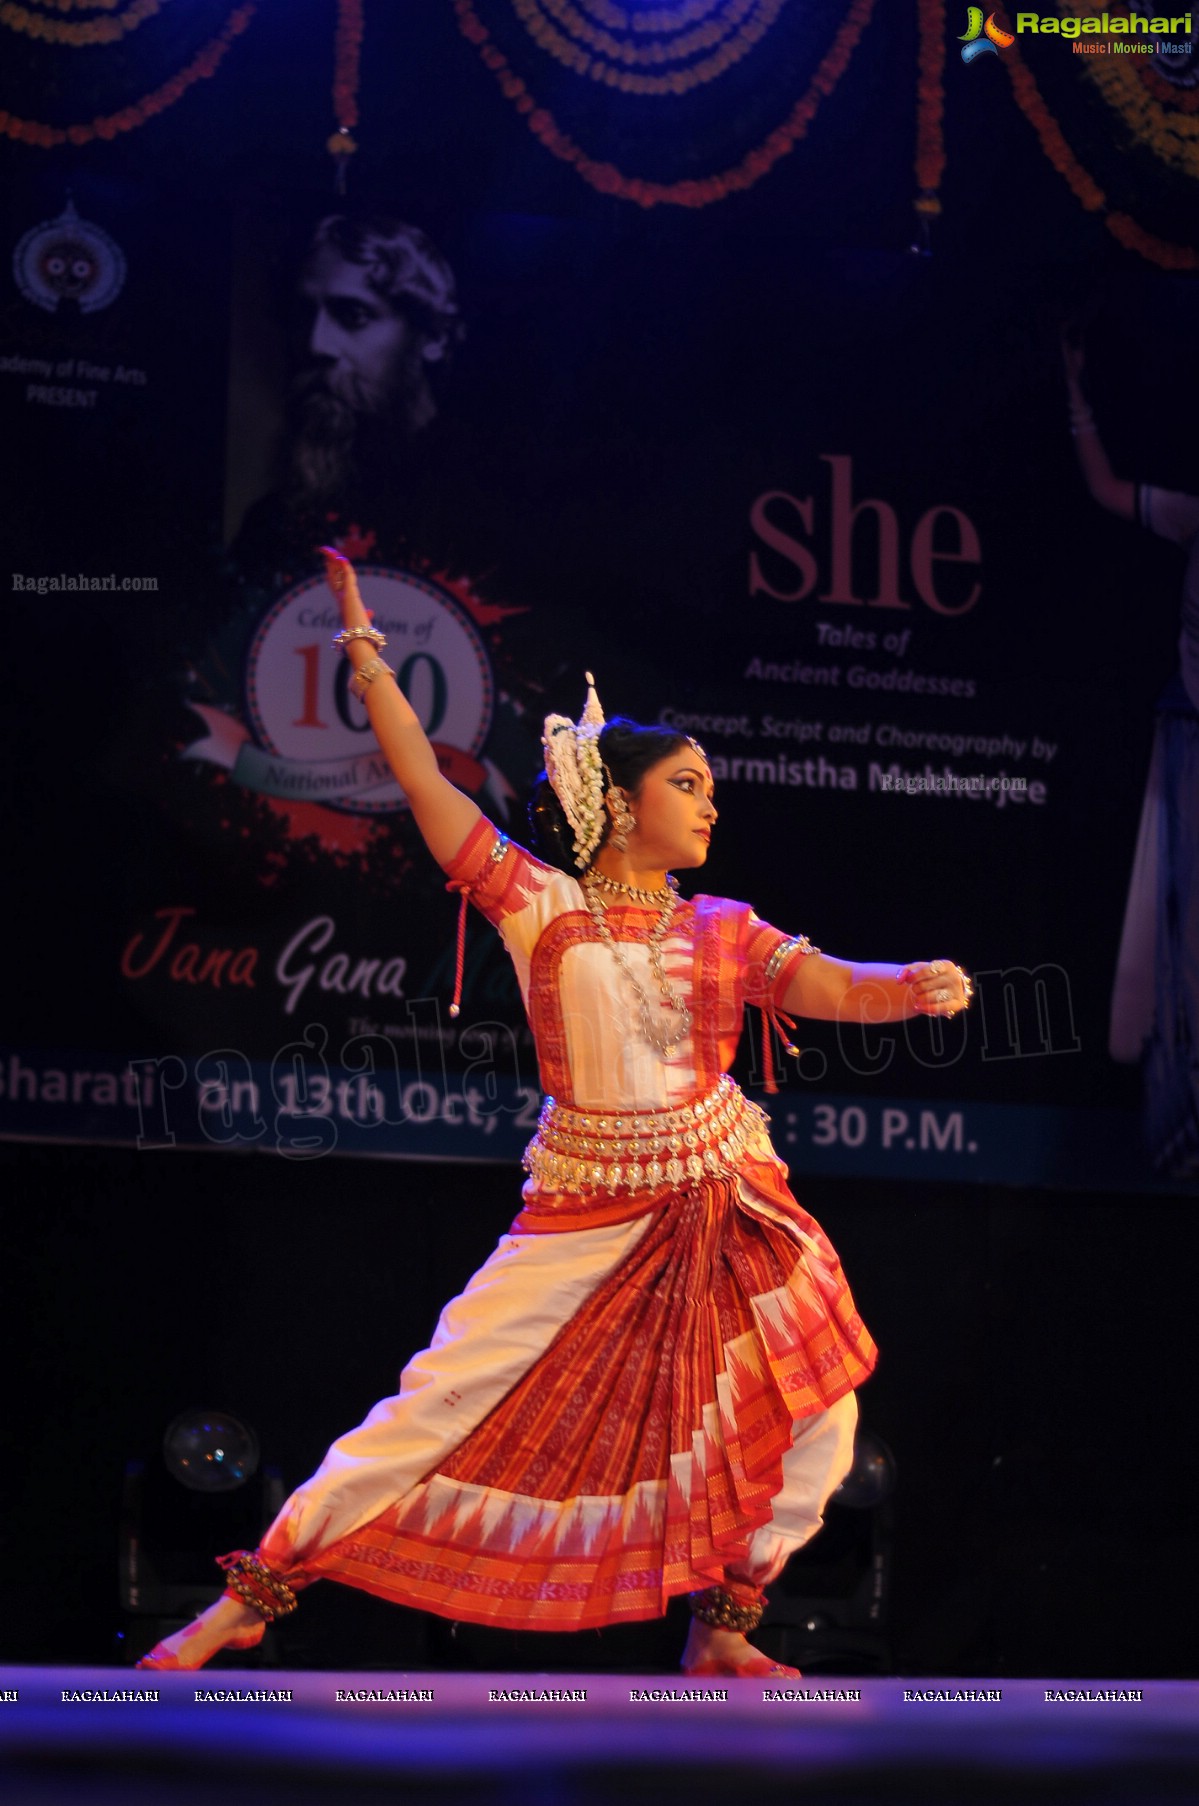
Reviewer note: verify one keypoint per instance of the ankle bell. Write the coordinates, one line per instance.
(724, 1610)
(251, 1581)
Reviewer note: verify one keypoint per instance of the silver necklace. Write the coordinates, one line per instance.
(655, 898)
(663, 1039)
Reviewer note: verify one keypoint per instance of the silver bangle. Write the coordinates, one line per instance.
(366, 675)
(341, 640)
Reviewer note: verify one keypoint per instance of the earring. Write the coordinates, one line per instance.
(623, 820)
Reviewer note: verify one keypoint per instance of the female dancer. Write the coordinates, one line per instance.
(648, 1388)
(1155, 996)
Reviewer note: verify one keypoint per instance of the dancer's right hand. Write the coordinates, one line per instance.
(343, 581)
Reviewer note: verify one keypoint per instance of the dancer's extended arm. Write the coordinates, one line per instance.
(442, 813)
(1117, 494)
(838, 990)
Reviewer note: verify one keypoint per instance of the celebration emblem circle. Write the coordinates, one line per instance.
(316, 730)
(69, 259)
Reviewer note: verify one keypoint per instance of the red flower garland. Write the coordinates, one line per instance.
(204, 64)
(700, 192)
(1053, 142)
(82, 34)
(930, 106)
(1157, 250)
(347, 58)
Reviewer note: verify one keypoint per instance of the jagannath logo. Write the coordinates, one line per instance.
(983, 37)
(302, 737)
(69, 260)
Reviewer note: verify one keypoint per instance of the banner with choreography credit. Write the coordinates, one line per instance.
(782, 481)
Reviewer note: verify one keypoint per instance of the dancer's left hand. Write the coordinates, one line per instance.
(938, 987)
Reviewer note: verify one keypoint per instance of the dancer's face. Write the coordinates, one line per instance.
(674, 812)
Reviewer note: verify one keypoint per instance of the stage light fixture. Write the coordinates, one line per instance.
(871, 1479)
(210, 1451)
(203, 1493)
(828, 1607)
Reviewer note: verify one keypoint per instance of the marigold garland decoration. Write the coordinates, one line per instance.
(1053, 142)
(1134, 91)
(347, 60)
(721, 41)
(665, 54)
(81, 34)
(1183, 100)
(666, 18)
(697, 192)
(706, 32)
(203, 65)
(930, 107)
(83, 6)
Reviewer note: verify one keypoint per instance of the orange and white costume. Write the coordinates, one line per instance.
(649, 1385)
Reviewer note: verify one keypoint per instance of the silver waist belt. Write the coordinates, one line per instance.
(638, 1150)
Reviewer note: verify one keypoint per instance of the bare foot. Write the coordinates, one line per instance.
(229, 1624)
(713, 1651)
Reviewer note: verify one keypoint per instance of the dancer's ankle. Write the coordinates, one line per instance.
(717, 1642)
(234, 1612)
(704, 1642)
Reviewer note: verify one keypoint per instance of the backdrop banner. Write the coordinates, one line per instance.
(781, 479)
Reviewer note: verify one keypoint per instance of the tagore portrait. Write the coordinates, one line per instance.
(374, 324)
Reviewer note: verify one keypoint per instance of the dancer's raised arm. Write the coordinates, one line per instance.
(442, 813)
(1117, 494)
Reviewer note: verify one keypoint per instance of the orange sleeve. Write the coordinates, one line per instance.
(771, 960)
(495, 874)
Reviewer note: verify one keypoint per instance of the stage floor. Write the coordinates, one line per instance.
(230, 1735)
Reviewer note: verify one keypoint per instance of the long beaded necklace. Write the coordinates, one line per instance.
(664, 1039)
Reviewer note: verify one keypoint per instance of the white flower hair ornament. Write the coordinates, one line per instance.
(576, 772)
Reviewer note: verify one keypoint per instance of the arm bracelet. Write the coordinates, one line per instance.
(347, 634)
(366, 675)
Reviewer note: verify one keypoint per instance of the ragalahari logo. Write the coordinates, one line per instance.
(982, 37)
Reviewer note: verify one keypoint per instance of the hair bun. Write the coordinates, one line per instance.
(628, 750)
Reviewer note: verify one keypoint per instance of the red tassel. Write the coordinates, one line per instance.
(768, 1054)
(460, 954)
(773, 1018)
